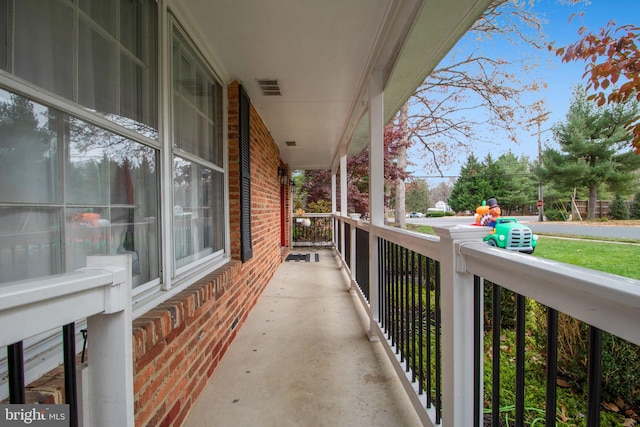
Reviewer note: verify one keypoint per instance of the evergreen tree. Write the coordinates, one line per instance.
(417, 196)
(472, 187)
(594, 150)
(634, 211)
(520, 186)
(619, 208)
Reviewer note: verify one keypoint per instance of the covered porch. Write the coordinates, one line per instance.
(397, 315)
(304, 357)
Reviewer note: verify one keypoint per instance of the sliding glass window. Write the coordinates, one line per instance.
(100, 54)
(198, 173)
(72, 189)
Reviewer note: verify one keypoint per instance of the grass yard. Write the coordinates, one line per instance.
(610, 257)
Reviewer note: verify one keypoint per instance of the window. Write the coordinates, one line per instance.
(72, 189)
(101, 54)
(198, 174)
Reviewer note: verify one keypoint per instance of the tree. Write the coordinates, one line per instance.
(612, 56)
(400, 144)
(317, 185)
(634, 210)
(520, 186)
(471, 188)
(418, 199)
(592, 149)
(441, 192)
(619, 208)
(474, 95)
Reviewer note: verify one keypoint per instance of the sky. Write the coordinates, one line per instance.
(560, 78)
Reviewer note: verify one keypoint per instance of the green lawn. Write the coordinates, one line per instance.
(616, 258)
(610, 257)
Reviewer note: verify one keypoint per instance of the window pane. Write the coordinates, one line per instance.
(4, 41)
(109, 204)
(132, 22)
(102, 12)
(132, 90)
(198, 211)
(96, 70)
(29, 243)
(42, 41)
(105, 169)
(28, 152)
(197, 105)
(88, 53)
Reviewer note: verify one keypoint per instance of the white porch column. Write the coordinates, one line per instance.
(111, 362)
(376, 184)
(343, 199)
(457, 325)
(333, 193)
(334, 207)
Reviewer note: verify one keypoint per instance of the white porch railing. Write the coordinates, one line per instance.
(101, 293)
(453, 264)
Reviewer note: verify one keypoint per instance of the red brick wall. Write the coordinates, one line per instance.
(178, 344)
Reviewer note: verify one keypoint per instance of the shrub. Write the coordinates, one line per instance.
(507, 306)
(620, 359)
(435, 214)
(619, 208)
(634, 211)
(555, 215)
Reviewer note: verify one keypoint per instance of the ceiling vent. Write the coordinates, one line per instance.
(290, 143)
(269, 87)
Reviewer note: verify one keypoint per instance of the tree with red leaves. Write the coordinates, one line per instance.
(317, 183)
(612, 58)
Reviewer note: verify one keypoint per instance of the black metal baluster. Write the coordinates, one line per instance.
(520, 332)
(595, 375)
(429, 349)
(394, 303)
(413, 316)
(396, 300)
(438, 348)
(495, 370)
(380, 284)
(405, 311)
(552, 366)
(421, 327)
(389, 259)
(70, 388)
(15, 361)
(477, 351)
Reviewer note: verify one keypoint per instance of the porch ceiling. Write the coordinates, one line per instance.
(321, 53)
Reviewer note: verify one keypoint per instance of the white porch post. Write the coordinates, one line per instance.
(334, 206)
(343, 199)
(376, 184)
(457, 305)
(111, 363)
(333, 193)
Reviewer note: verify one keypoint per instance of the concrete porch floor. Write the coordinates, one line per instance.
(303, 358)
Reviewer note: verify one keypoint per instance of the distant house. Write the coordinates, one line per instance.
(440, 207)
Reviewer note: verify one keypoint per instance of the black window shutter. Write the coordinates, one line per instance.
(246, 249)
